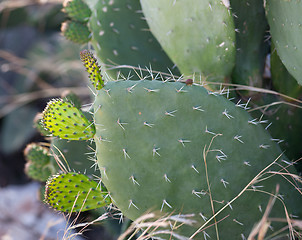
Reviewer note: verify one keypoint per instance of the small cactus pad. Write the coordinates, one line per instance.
(64, 120)
(175, 147)
(75, 31)
(92, 68)
(77, 10)
(73, 192)
(284, 18)
(39, 165)
(198, 36)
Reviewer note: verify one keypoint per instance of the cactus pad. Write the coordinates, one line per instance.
(175, 147)
(73, 192)
(284, 18)
(198, 36)
(64, 120)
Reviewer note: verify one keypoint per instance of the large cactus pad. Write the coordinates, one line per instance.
(168, 146)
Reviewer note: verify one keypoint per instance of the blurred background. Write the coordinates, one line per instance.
(36, 64)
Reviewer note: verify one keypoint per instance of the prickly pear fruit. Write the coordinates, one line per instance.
(199, 36)
(284, 18)
(73, 192)
(173, 147)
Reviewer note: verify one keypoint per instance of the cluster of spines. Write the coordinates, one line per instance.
(92, 68)
(64, 120)
(74, 192)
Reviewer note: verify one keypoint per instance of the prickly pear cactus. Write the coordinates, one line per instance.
(284, 18)
(199, 36)
(176, 147)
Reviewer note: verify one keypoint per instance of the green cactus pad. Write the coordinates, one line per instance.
(199, 36)
(283, 81)
(251, 48)
(120, 36)
(173, 147)
(39, 165)
(284, 18)
(92, 68)
(77, 10)
(64, 120)
(73, 192)
(75, 32)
